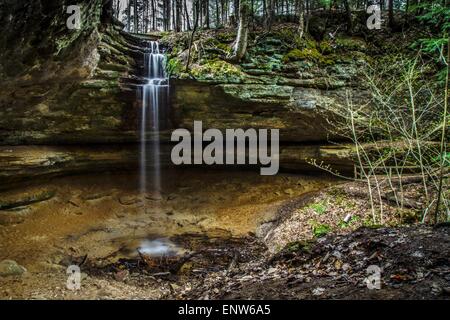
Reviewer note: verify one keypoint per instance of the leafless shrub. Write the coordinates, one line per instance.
(397, 135)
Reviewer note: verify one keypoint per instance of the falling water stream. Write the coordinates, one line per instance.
(154, 99)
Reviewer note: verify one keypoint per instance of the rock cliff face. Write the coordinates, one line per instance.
(24, 163)
(275, 87)
(62, 87)
(66, 86)
(297, 111)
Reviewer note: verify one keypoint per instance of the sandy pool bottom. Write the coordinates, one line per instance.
(107, 217)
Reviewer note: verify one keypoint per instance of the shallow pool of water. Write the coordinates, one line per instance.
(105, 216)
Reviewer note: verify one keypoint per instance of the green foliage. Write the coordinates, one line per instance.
(435, 15)
(226, 36)
(286, 35)
(298, 246)
(445, 157)
(432, 45)
(174, 66)
(320, 230)
(437, 18)
(319, 207)
(351, 44)
(325, 47)
(325, 3)
(224, 47)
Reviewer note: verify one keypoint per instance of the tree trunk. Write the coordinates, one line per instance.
(301, 19)
(391, 13)
(207, 13)
(348, 13)
(145, 19)
(153, 15)
(174, 22)
(135, 16)
(196, 9)
(217, 14)
(107, 11)
(168, 11)
(270, 7)
(118, 9)
(240, 46)
(129, 16)
(188, 23)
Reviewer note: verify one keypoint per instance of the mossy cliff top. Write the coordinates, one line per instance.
(270, 57)
(282, 56)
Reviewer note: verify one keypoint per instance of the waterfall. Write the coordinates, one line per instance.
(154, 98)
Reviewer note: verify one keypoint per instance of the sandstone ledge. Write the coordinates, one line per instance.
(25, 163)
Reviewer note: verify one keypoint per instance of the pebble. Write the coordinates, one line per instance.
(246, 278)
(174, 286)
(121, 275)
(436, 289)
(318, 291)
(272, 270)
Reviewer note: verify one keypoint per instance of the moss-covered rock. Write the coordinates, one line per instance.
(311, 54)
(218, 71)
(351, 44)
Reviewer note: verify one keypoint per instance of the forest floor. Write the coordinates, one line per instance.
(413, 263)
(280, 239)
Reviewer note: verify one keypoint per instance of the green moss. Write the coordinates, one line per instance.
(224, 47)
(325, 47)
(368, 222)
(99, 84)
(41, 196)
(286, 35)
(226, 36)
(297, 246)
(113, 67)
(297, 54)
(217, 70)
(352, 44)
(310, 54)
(90, 17)
(410, 216)
(319, 207)
(309, 44)
(320, 230)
